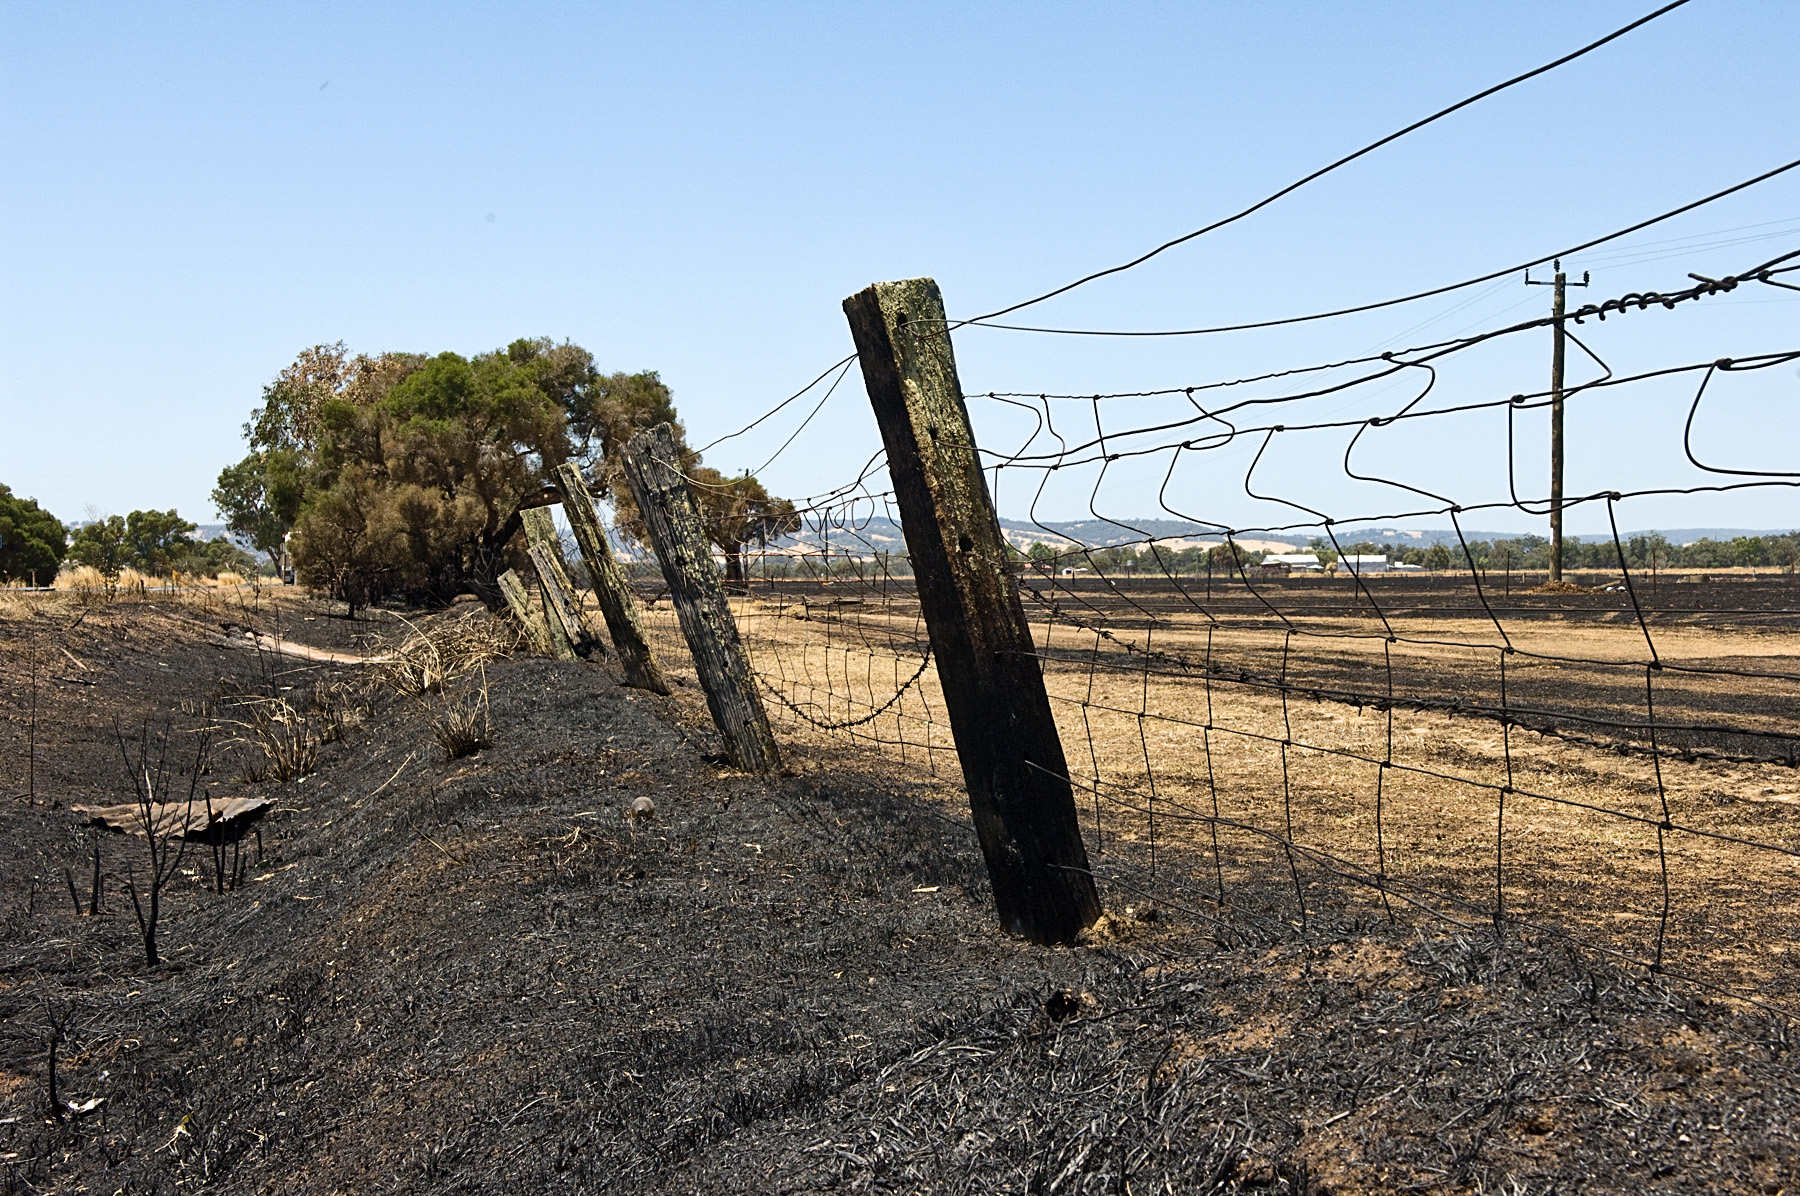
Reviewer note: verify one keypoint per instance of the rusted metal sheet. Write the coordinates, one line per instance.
(198, 819)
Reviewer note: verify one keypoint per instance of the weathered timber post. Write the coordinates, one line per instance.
(559, 602)
(518, 601)
(561, 610)
(618, 605)
(561, 646)
(673, 518)
(1012, 758)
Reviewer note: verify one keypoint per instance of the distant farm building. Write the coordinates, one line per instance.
(1363, 564)
(1283, 563)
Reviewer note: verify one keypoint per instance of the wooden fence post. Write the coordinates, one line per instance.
(568, 626)
(559, 602)
(519, 602)
(618, 605)
(1006, 739)
(673, 518)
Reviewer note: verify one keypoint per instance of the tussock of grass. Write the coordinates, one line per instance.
(82, 581)
(289, 745)
(464, 728)
(14, 602)
(446, 649)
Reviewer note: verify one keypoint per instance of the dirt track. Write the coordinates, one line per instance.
(478, 976)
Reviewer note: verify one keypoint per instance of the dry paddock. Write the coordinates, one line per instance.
(1261, 758)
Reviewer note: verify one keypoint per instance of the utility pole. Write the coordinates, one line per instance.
(1556, 411)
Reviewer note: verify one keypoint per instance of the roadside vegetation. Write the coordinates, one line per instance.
(402, 476)
(36, 548)
(32, 541)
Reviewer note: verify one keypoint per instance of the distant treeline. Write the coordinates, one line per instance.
(1523, 553)
(834, 562)
(1648, 551)
(35, 546)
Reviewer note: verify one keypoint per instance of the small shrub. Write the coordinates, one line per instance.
(288, 746)
(430, 656)
(160, 819)
(464, 729)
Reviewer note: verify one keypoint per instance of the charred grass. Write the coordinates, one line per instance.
(477, 975)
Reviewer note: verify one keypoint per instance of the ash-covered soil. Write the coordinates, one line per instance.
(480, 976)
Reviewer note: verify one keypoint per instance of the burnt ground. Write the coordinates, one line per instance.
(477, 975)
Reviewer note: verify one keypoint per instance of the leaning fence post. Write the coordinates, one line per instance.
(568, 627)
(618, 604)
(559, 601)
(1006, 738)
(518, 601)
(672, 517)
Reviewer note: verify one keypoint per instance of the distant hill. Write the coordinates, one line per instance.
(1099, 532)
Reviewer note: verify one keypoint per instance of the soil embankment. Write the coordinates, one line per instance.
(479, 975)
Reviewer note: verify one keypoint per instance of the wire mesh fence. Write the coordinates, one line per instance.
(1295, 748)
(1253, 749)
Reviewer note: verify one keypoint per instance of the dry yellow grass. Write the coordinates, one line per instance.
(1575, 846)
(79, 578)
(15, 602)
(87, 584)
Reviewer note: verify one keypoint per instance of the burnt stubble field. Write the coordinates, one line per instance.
(480, 975)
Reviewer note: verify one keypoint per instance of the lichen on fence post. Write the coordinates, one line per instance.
(569, 633)
(672, 517)
(518, 601)
(560, 603)
(1006, 737)
(618, 605)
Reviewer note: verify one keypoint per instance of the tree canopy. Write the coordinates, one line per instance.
(152, 542)
(417, 491)
(404, 475)
(32, 541)
(156, 539)
(101, 545)
(261, 496)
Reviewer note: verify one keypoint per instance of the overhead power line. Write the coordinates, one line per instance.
(980, 322)
(1344, 161)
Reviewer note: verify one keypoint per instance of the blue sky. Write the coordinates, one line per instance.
(194, 193)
